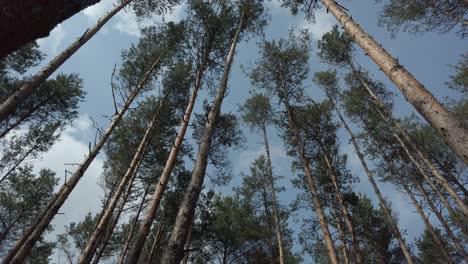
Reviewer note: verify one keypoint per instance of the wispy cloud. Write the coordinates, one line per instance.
(323, 23)
(52, 43)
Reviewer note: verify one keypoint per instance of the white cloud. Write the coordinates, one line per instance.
(323, 23)
(98, 10)
(87, 194)
(50, 45)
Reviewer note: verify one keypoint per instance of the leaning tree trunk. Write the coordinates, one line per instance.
(341, 235)
(344, 209)
(370, 176)
(23, 21)
(333, 258)
(267, 216)
(449, 128)
(187, 245)
(153, 207)
(24, 246)
(386, 114)
(157, 237)
(87, 253)
(279, 236)
(175, 249)
(19, 96)
(428, 225)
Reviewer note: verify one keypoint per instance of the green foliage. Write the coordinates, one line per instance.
(429, 251)
(257, 112)
(328, 81)
(418, 16)
(283, 66)
(459, 81)
(22, 199)
(336, 47)
(149, 8)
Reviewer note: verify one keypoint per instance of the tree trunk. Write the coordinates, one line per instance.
(87, 253)
(24, 246)
(333, 258)
(187, 245)
(342, 236)
(153, 207)
(344, 209)
(175, 248)
(388, 115)
(134, 224)
(23, 21)
(110, 229)
(267, 217)
(370, 176)
(449, 128)
(157, 237)
(415, 202)
(279, 236)
(13, 101)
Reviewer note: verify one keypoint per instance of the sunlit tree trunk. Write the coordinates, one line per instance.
(332, 255)
(370, 176)
(24, 246)
(344, 209)
(13, 101)
(388, 117)
(152, 210)
(449, 128)
(88, 252)
(279, 236)
(175, 248)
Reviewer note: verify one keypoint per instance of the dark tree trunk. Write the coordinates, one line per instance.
(23, 21)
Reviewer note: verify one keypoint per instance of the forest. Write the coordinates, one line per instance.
(234, 131)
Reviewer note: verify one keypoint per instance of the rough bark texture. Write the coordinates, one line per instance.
(13, 101)
(175, 249)
(23, 21)
(370, 176)
(333, 258)
(279, 236)
(449, 128)
(153, 207)
(344, 209)
(88, 252)
(24, 246)
(386, 114)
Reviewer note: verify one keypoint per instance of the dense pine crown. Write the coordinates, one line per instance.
(306, 155)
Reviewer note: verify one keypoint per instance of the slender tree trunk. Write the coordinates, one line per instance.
(344, 209)
(279, 236)
(415, 202)
(115, 221)
(24, 246)
(157, 237)
(449, 128)
(267, 217)
(152, 210)
(370, 176)
(23, 21)
(333, 258)
(134, 225)
(429, 227)
(13, 101)
(341, 235)
(187, 245)
(175, 248)
(388, 115)
(87, 253)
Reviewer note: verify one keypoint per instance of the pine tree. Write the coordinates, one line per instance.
(447, 126)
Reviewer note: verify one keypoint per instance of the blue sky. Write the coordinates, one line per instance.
(426, 56)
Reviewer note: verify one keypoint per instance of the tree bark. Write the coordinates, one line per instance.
(386, 114)
(87, 253)
(157, 237)
(342, 236)
(13, 101)
(187, 245)
(24, 246)
(279, 236)
(175, 248)
(370, 176)
(333, 258)
(23, 21)
(447, 126)
(267, 217)
(153, 207)
(344, 209)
